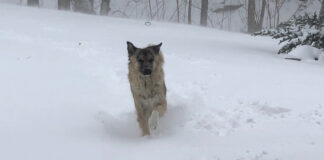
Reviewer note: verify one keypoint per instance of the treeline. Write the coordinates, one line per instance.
(249, 15)
(84, 6)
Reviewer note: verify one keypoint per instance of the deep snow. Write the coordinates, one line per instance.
(64, 92)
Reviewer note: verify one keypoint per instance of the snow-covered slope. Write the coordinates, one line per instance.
(64, 92)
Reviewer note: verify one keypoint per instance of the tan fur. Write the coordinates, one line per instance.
(149, 92)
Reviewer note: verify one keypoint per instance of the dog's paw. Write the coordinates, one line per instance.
(154, 120)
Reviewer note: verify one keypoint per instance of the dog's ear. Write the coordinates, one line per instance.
(131, 49)
(156, 48)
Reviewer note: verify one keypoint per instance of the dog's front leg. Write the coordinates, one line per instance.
(141, 115)
(159, 103)
(142, 118)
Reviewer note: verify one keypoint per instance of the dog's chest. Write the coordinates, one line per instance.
(146, 91)
(145, 88)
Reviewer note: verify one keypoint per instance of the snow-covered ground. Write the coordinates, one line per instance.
(64, 92)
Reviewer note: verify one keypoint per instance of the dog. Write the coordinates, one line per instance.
(146, 78)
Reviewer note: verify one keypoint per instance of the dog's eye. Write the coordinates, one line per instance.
(151, 60)
(140, 60)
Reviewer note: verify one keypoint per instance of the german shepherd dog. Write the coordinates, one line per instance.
(146, 78)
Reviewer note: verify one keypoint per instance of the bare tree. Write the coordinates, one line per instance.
(204, 12)
(224, 12)
(178, 12)
(251, 17)
(255, 19)
(273, 8)
(157, 8)
(261, 18)
(302, 5)
(64, 4)
(189, 11)
(105, 7)
(321, 14)
(92, 6)
(151, 16)
(33, 2)
(84, 6)
(278, 6)
(185, 11)
(269, 14)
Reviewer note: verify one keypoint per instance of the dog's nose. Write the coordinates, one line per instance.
(147, 72)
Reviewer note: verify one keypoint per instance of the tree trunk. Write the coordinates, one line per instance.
(64, 4)
(277, 11)
(105, 7)
(260, 22)
(321, 14)
(151, 16)
(189, 11)
(204, 12)
(92, 11)
(251, 17)
(83, 6)
(33, 2)
(269, 15)
(178, 14)
(157, 13)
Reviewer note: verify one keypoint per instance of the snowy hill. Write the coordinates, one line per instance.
(65, 93)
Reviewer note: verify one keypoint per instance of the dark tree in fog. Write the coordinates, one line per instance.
(322, 11)
(64, 4)
(261, 17)
(33, 2)
(189, 11)
(204, 12)
(150, 6)
(105, 7)
(84, 6)
(255, 20)
(178, 11)
(92, 7)
(251, 16)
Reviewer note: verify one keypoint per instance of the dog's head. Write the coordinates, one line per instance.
(144, 57)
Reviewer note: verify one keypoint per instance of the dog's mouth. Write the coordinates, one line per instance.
(147, 72)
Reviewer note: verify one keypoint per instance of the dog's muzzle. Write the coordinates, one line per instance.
(147, 72)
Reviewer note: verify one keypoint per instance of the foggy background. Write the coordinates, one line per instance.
(230, 15)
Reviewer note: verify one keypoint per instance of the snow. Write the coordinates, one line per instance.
(306, 53)
(65, 93)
